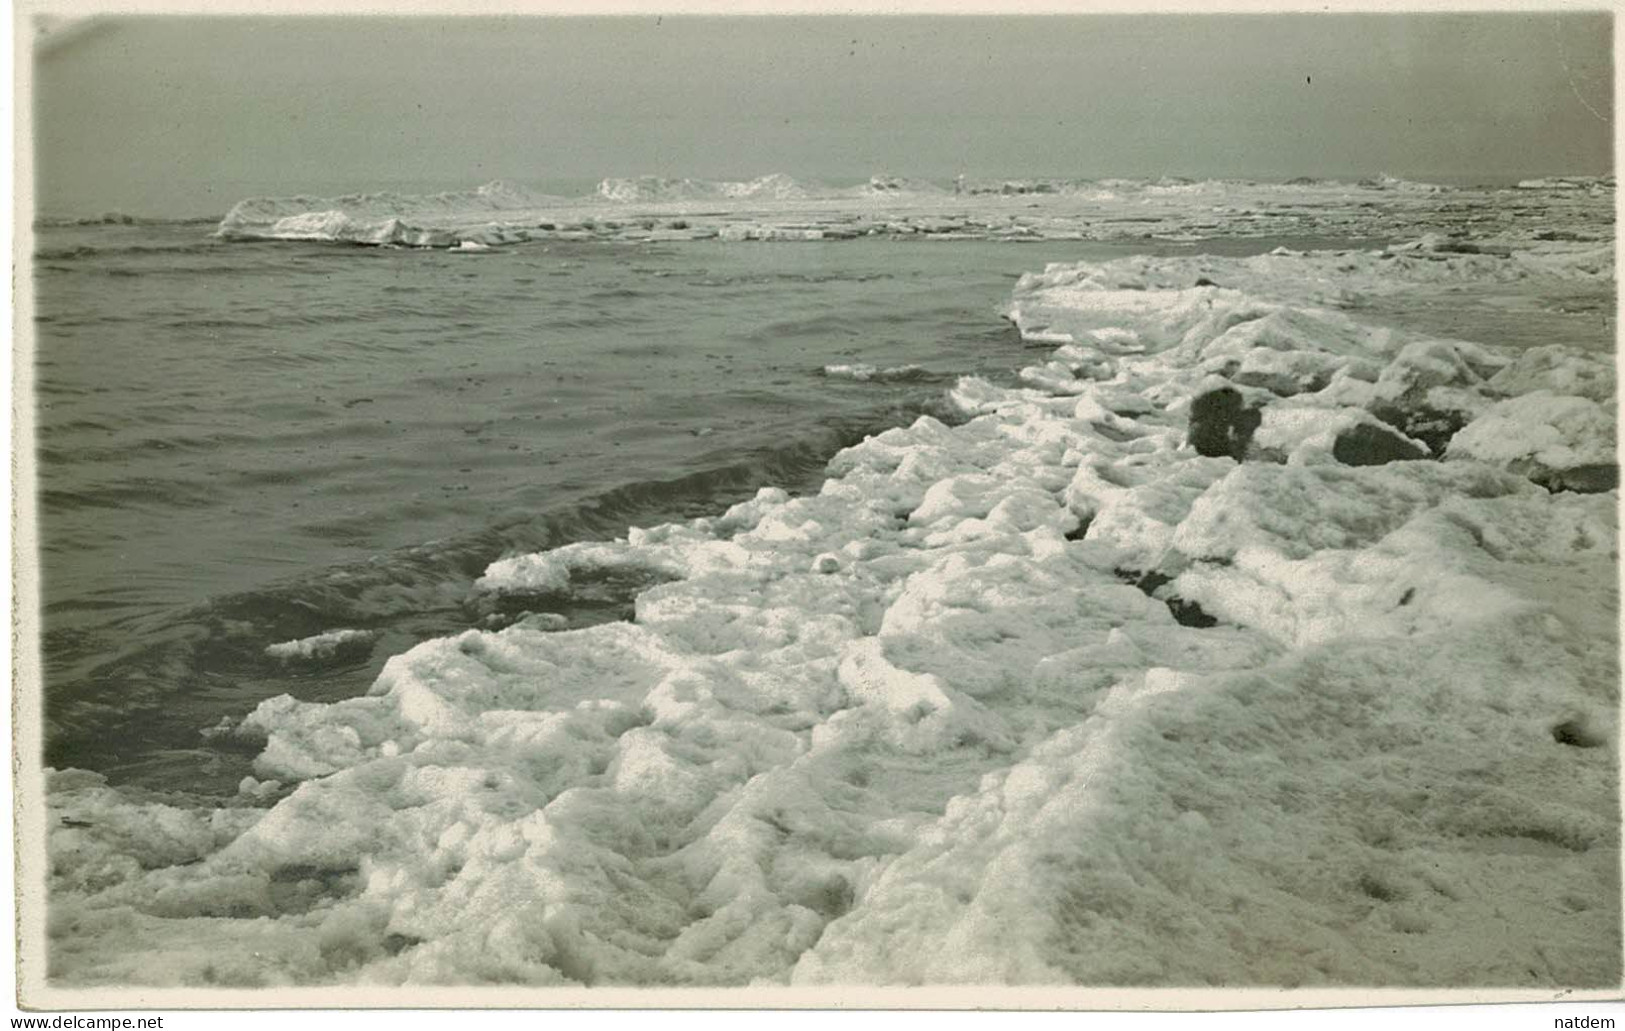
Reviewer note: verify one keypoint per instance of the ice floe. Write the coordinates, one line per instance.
(324, 645)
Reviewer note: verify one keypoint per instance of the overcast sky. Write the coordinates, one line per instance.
(186, 115)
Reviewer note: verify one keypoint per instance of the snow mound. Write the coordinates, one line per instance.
(1552, 437)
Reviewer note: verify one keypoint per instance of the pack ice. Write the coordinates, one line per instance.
(779, 208)
(1046, 697)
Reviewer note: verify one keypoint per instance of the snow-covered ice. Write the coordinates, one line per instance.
(324, 645)
(1046, 697)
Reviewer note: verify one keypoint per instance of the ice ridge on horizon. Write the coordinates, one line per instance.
(779, 207)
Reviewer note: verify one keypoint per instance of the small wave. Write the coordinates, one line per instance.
(81, 251)
(145, 493)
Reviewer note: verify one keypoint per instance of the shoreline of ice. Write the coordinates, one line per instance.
(779, 208)
(1046, 697)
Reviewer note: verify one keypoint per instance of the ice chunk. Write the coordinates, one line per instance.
(1557, 440)
(1559, 370)
(325, 645)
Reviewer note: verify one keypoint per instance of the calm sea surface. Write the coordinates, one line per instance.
(247, 444)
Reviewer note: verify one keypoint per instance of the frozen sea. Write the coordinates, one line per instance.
(278, 453)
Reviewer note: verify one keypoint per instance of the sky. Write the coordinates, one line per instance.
(178, 115)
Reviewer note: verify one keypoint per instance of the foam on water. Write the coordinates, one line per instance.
(1047, 697)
